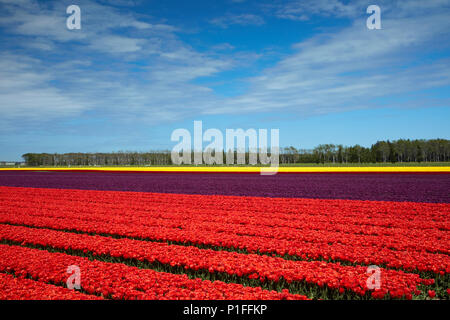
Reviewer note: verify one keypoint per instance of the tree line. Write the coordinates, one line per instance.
(402, 150)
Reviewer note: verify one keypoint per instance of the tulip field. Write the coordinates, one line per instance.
(185, 235)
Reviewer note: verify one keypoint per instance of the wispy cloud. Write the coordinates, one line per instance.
(27, 94)
(238, 19)
(100, 70)
(223, 46)
(306, 9)
(99, 24)
(353, 68)
(120, 68)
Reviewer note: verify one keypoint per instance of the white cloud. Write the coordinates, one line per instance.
(239, 19)
(150, 75)
(99, 26)
(306, 9)
(93, 74)
(350, 69)
(117, 44)
(27, 94)
(223, 46)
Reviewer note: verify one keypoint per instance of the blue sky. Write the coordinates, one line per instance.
(137, 70)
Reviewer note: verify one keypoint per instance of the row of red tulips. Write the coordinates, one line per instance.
(12, 288)
(356, 253)
(332, 275)
(119, 281)
(290, 212)
(419, 246)
(313, 231)
(306, 227)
